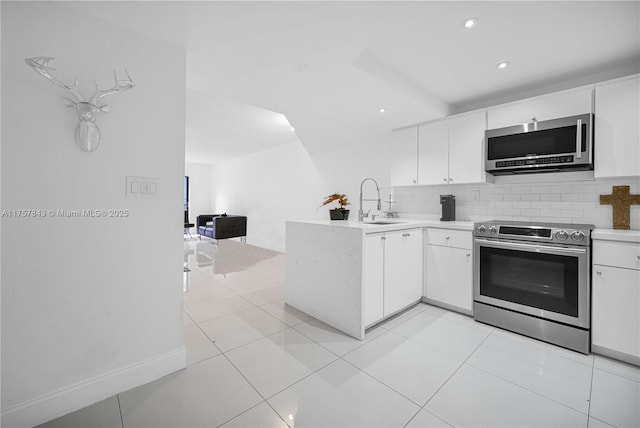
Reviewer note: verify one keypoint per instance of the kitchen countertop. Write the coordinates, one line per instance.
(616, 235)
(394, 224)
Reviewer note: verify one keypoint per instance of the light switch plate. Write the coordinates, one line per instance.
(142, 187)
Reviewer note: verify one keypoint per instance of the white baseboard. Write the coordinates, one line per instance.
(69, 399)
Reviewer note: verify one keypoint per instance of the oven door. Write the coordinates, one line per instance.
(544, 280)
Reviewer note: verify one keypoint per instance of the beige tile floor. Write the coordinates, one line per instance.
(256, 362)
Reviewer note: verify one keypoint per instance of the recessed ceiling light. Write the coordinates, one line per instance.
(469, 22)
(502, 65)
(382, 109)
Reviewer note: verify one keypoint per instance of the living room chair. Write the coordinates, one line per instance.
(187, 224)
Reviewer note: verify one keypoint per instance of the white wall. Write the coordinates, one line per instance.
(199, 190)
(90, 306)
(288, 183)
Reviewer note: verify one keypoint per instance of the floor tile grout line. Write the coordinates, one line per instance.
(246, 343)
(593, 368)
(224, 352)
(286, 326)
(240, 311)
(530, 390)
(617, 374)
(120, 410)
(527, 389)
(449, 378)
(251, 408)
(382, 383)
(523, 387)
(302, 378)
(431, 413)
(314, 341)
(264, 400)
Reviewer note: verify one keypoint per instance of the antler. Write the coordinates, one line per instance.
(40, 65)
(120, 85)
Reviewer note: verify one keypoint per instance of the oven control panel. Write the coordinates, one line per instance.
(574, 234)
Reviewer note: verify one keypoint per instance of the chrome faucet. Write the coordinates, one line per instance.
(361, 214)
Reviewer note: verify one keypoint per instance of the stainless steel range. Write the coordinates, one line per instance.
(534, 279)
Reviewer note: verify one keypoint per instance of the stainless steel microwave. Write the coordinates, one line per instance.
(564, 144)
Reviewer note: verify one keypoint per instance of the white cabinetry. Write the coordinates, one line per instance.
(433, 153)
(452, 150)
(402, 269)
(448, 270)
(404, 157)
(617, 137)
(392, 273)
(373, 278)
(553, 106)
(466, 148)
(615, 314)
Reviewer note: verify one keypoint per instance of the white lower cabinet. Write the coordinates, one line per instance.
(373, 278)
(392, 272)
(615, 329)
(448, 271)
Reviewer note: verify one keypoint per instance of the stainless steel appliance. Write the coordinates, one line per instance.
(541, 146)
(534, 279)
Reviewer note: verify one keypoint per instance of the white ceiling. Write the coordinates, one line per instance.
(329, 66)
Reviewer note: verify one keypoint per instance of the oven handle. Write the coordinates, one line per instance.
(517, 245)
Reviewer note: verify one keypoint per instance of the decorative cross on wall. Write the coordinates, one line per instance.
(621, 199)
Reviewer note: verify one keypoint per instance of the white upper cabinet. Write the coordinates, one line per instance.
(433, 153)
(553, 106)
(404, 157)
(466, 148)
(617, 138)
(452, 150)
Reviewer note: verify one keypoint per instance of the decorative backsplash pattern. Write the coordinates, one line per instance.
(558, 202)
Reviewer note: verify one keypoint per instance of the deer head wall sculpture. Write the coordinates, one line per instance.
(87, 133)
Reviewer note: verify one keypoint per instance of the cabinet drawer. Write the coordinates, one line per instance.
(449, 238)
(618, 254)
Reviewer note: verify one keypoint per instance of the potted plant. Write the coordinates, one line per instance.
(338, 213)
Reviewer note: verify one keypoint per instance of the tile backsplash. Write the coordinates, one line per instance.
(549, 201)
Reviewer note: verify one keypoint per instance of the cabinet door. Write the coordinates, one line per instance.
(404, 157)
(403, 269)
(449, 277)
(466, 148)
(616, 309)
(617, 138)
(373, 277)
(433, 153)
(546, 107)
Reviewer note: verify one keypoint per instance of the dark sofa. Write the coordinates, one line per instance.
(222, 226)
